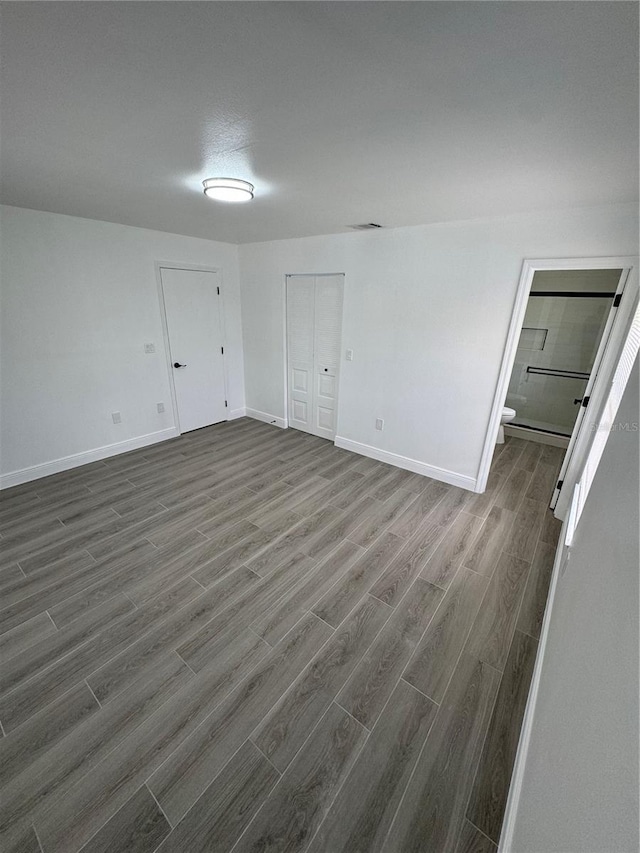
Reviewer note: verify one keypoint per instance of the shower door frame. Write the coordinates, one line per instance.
(607, 357)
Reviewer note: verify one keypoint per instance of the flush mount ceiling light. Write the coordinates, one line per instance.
(228, 189)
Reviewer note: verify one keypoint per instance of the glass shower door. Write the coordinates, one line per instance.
(555, 356)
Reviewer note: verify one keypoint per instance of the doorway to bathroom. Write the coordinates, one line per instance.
(570, 321)
(564, 323)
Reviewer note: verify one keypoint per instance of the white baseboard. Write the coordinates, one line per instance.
(35, 472)
(266, 417)
(520, 763)
(408, 464)
(237, 413)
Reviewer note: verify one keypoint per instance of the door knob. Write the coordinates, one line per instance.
(177, 364)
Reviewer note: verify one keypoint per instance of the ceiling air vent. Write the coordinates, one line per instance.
(366, 226)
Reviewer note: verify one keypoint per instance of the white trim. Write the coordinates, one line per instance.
(165, 340)
(285, 349)
(237, 413)
(35, 472)
(520, 763)
(517, 318)
(407, 463)
(266, 417)
(310, 274)
(572, 518)
(529, 268)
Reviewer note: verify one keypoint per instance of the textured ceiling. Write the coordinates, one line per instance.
(340, 113)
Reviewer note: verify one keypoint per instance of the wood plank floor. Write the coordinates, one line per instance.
(248, 639)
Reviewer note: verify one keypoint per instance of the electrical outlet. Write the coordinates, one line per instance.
(160, 408)
(379, 424)
(349, 355)
(116, 417)
(149, 348)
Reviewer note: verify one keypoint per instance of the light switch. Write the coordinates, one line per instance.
(349, 355)
(149, 348)
(116, 417)
(379, 423)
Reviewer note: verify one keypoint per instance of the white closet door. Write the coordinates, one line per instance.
(314, 326)
(300, 324)
(327, 334)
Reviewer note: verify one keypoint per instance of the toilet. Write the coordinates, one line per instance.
(506, 417)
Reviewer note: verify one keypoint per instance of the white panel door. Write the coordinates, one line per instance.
(300, 323)
(314, 324)
(327, 334)
(194, 324)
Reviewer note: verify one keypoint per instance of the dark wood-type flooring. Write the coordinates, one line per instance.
(248, 639)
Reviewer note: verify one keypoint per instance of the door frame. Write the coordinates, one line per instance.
(581, 437)
(285, 336)
(173, 265)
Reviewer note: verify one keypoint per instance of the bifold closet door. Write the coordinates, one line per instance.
(314, 324)
(327, 334)
(300, 325)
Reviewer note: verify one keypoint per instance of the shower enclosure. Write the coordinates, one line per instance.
(565, 318)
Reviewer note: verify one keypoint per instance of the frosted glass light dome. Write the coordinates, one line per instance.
(228, 189)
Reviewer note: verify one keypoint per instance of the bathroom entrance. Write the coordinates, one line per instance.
(566, 317)
(571, 321)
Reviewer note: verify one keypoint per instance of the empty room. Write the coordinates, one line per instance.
(319, 427)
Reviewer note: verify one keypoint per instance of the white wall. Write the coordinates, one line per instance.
(426, 311)
(579, 790)
(79, 301)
